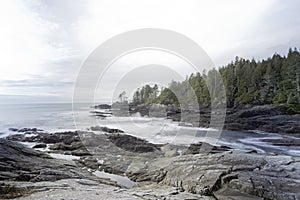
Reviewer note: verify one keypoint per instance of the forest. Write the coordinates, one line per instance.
(271, 81)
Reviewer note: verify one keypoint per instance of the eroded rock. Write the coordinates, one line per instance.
(131, 143)
(222, 173)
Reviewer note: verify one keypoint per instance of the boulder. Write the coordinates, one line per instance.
(38, 146)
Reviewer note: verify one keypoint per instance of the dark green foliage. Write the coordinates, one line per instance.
(167, 97)
(146, 95)
(271, 81)
(292, 108)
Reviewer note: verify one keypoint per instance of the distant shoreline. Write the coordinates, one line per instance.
(268, 118)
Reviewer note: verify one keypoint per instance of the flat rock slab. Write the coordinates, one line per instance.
(74, 189)
(78, 189)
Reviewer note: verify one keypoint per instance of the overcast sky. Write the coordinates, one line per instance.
(44, 43)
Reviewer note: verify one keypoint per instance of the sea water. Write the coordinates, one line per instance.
(60, 117)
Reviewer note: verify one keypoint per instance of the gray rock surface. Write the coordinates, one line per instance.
(79, 189)
(160, 171)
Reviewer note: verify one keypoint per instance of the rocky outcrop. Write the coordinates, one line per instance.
(160, 171)
(283, 141)
(203, 147)
(102, 111)
(102, 106)
(25, 130)
(106, 129)
(131, 143)
(266, 118)
(61, 142)
(260, 111)
(23, 164)
(65, 147)
(228, 175)
(70, 189)
(47, 138)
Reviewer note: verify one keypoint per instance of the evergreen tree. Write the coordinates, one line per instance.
(272, 81)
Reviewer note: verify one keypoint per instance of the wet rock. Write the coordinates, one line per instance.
(106, 129)
(252, 151)
(260, 111)
(25, 130)
(47, 138)
(65, 147)
(219, 172)
(16, 137)
(205, 147)
(80, 152)
(38, 146)
(274, 119)
(13, 129)
(131, 143)
(66, 137)
(28, 130)
(283, 141)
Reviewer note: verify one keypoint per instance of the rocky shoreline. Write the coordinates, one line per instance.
(267, 118)
(156, 171)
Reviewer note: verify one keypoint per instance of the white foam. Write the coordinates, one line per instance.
(29, 144)
(294, 152)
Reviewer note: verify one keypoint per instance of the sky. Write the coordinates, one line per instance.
(44, 43)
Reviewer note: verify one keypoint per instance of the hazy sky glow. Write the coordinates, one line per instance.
(43, 43)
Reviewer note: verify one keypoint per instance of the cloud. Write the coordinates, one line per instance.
(28, 40)
(22, 38)
(30, 99)
(36, 58)
(44, 43)
(37, 83)
(216, 25)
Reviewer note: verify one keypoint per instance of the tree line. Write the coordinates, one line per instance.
(271, 81)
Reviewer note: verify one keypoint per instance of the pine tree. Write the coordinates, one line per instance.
(272, 81)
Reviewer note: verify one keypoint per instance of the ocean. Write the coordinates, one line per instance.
(60, 117)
